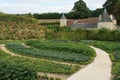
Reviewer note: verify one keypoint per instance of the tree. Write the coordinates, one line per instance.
(97, 12)
(80, 10)
(113, 7)
(47, 16)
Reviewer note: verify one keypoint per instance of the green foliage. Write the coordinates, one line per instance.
(62, 46)
(83, 57)
(47, 16)
(110, 47)
(51, 23)
(113, 7)
(97, 12)
(17, 19)
(13, 27)
(38, 65)
(81, 10)
(114, 49)
(117, 56)
(16, 72)
(116, 71)
(81, 34)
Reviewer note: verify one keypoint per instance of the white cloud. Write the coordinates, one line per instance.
(42, 6)
(93, 4)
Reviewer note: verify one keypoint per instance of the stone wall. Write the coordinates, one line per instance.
(63, 22)
(107, 25)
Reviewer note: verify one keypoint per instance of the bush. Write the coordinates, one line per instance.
(82, 34)
(117, 56)
(16, 72)
(51, 23)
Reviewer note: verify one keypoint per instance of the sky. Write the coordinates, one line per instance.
(44, 6)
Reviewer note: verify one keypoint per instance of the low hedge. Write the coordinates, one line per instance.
(16, 72)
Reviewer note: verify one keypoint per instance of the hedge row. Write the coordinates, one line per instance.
(67, 33)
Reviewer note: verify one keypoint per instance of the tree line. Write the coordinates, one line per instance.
(80, 11)
(70, 15)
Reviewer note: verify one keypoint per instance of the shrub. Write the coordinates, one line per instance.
(82, 34)
(51, 23)
(16, 72)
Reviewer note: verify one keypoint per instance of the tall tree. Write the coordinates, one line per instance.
(97, 12)
(113, 7)
(80, 10)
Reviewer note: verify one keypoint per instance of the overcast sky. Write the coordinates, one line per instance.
(43, 6)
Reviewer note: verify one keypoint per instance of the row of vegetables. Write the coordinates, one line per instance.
(71, 47)
(21, 68)
(66, 52)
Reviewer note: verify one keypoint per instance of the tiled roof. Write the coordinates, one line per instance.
(87, 21)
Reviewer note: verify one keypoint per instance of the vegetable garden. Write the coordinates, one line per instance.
(37, 56)
(59, 52)
(39, 65)
(71, 47)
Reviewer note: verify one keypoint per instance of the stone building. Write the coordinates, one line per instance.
(103, 21)
(107, 21)
(63, 21)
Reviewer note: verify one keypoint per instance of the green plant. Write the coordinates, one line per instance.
(55, 32)
(16, 72)
(51, 54)
(63, 46)
(51, 23)
(18, 27)
(38, 65)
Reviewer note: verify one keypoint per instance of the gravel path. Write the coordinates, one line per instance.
(3, 48)
(61, 76)
(99, 69)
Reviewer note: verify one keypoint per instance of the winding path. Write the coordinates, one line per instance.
(3, 48)
(62, 76)
(99, 69)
